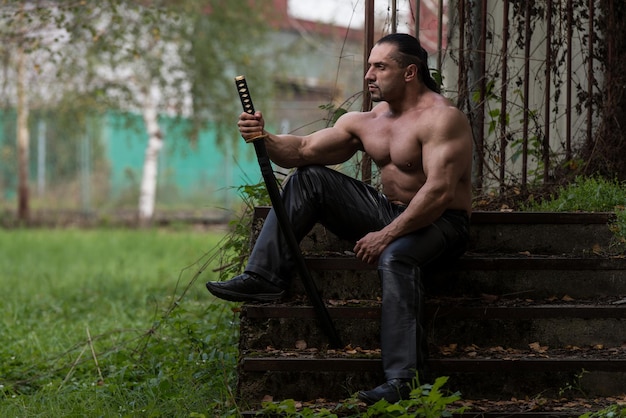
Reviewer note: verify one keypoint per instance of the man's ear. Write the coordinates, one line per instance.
(410, 73)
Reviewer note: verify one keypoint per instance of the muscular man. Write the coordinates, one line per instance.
(422, 146)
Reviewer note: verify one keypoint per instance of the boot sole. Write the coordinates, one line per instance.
(243, 297)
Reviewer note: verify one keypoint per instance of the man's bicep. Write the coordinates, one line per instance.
(331, 146)
(451, 145)
(447, 160)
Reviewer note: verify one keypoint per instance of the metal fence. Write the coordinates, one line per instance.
(527, 75)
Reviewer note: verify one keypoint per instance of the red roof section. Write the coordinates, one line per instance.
(282, 20)
(428, 32)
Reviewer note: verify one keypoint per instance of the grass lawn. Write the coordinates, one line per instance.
(113, 322)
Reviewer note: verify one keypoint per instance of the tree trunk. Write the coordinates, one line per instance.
(147, 194)
(23, 212)
(605, 156)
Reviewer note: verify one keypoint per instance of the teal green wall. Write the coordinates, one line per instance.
(201, 169)
(202, 175)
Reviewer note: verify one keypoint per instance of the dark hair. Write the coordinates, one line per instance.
(411, 52)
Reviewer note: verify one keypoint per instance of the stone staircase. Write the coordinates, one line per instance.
(533, 314)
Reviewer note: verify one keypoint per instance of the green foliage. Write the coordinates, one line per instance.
(427, 400)
(615, 411)
(112, 53)
(334, 111)
(437, 76)
(289, 408)
(222, 45)
(589, 194)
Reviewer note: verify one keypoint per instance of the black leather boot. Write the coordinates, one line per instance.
(392, 391)
(246, 287)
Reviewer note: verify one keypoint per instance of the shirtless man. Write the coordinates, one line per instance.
(422, 146)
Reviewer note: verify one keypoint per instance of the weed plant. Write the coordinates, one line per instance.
(113, 323)
(425, 401)
(615, 411)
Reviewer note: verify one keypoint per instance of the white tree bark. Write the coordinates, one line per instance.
(147, 193)
(23, 135)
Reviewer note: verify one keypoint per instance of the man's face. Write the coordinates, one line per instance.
(384, 75)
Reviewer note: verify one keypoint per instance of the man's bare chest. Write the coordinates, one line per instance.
(393, 144)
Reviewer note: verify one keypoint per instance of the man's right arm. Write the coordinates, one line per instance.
(324, 147)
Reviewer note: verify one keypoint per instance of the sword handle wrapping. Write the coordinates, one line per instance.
(244, 94)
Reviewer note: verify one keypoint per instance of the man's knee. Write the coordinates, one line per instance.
(398, 258)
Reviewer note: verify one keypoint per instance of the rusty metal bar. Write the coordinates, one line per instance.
(394, 16)
(590, 77)
(367, 47)
(366, 163)
(480, 117)
(546, 133)
(526, 93)
(440, 37)
(462, 71)
(503, 93)
(417, 18)
(568, 99)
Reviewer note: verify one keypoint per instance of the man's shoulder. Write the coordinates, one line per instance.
(444, 112)
(356, 119)
(443, 121)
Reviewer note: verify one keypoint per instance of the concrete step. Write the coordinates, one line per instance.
(492, 373)
(500, 232)
(530, 276)
(557, 325)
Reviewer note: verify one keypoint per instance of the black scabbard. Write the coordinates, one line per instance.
(284, 223)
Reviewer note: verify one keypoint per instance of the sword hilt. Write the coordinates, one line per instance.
(246, 102)
(244, 94)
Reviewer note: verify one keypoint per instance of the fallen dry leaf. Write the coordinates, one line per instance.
(538, 347)
(447, 350)
(489, 298)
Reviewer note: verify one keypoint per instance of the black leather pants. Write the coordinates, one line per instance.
(350, 209)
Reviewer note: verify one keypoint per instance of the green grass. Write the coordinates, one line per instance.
(588, 194)
(113, 323)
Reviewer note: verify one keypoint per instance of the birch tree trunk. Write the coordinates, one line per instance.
(147, 193)
(23, 211)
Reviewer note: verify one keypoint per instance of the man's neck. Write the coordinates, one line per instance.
(413, 99)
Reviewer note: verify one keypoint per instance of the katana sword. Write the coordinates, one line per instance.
(284, 223)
